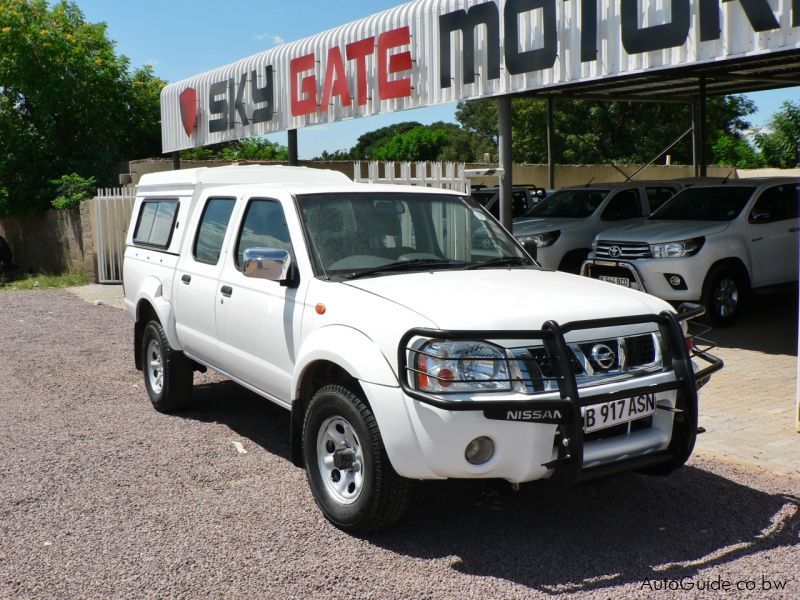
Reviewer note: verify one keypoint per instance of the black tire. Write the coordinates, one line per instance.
(572, 261)
(724, 293)
(168, 383)
(372, 495)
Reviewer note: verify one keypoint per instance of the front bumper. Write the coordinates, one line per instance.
(553, 446)
(651, 276)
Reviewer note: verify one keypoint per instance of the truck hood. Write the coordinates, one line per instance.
(512, 299)
(651, 231)
(541, 225)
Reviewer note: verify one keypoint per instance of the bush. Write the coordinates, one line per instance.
(72, 189)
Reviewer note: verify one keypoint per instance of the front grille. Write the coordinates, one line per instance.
(641, 350)
(619, 430)
(591, 362)
(621, 250)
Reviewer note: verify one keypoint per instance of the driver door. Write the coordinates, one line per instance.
(258, 321)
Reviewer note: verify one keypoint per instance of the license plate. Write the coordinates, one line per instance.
(608, 414)
(624, 281)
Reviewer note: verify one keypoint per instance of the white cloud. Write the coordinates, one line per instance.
(153, 62)
(275, 40)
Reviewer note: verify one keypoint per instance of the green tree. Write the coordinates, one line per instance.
(601, 132)
(780, 140)
(68, 103)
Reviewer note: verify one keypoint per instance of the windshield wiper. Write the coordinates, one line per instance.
(498, 262)
(405, 265)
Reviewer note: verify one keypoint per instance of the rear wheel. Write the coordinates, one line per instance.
(724, 293)
(167, 372)
(348, 470)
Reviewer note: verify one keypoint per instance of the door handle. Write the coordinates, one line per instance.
(187, 279)
(794, 229)
(227, 291)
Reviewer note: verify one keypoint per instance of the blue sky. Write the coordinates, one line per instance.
(181, 38)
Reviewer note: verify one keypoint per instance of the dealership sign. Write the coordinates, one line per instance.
(435, 51)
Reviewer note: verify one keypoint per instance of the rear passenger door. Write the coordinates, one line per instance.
(196, 278)
(772, 234)
(258, 321)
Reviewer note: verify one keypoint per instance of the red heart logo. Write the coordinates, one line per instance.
(188, 100)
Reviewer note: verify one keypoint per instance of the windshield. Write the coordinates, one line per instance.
(719, 203)
(376, 233)
(569, 204)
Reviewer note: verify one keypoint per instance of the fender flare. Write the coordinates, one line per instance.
(360, 356)
(151, 291)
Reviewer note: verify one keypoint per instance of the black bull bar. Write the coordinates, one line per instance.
(568, 466)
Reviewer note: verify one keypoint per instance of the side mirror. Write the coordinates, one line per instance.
(267, 263)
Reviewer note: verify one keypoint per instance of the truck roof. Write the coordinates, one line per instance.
(233, 174)
(293, 179)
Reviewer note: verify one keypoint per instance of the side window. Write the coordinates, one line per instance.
(520, 204)
(776, 204)
(211, 232)
(656, 196)
(624, 205)
(156, 223)
(264, 226)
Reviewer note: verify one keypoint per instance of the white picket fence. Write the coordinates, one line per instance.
(448, 175)
(113, 208)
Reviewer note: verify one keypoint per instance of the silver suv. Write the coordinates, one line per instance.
(562, 226)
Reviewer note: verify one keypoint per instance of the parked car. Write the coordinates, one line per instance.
(712, 243)
(563, 226)
(401, 353)
(523, 199)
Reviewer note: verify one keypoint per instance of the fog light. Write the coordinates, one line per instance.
(479, 450)
(675, 281)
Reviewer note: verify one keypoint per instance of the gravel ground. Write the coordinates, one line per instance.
(100, 496)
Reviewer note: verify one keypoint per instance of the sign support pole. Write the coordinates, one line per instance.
(292, 143)
(504, 147)
(551, 143)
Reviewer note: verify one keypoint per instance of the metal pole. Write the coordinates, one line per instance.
(292, 147)
(694, 139)
(551, 144)
(702, 157)
(504, 143)
(176, 161)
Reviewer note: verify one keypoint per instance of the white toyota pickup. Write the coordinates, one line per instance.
(401, 352)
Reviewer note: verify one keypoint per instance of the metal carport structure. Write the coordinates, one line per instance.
(430, 52)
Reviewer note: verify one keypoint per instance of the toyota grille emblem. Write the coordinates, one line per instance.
(603, 356)
(614, 251)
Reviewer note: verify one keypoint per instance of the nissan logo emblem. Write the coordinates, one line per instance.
(603, 356)
(614, 251)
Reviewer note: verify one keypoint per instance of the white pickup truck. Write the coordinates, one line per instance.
(710, 243)
(401, 354)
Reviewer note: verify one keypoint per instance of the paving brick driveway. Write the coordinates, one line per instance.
(748, 409)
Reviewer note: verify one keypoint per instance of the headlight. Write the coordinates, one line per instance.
(677, 249)
(468, 366)
(542, 240)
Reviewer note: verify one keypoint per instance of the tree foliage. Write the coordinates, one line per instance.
(588, 132)
(68, 103)
(780, 140)
(71, 190)
(257, 148)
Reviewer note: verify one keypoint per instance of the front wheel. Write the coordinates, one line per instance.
(167, 373)
(348, 470)
(723, 295)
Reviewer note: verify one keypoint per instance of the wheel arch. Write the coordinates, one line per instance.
(320, 364)
(733, 263)
(151, 305)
